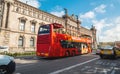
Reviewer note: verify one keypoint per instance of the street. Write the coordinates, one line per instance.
(82, 64)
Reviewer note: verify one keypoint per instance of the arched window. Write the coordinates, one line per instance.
(21, 41)
(32, 42)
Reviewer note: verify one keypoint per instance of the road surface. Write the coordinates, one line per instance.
(82, 64)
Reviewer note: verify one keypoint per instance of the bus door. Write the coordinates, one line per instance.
(84, 48)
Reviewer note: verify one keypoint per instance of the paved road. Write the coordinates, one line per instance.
(82, 64)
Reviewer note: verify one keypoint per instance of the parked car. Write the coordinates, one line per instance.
(4, 49)
(117, 51)
(108, 51)
(7, 64)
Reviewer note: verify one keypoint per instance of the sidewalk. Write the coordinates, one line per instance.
(25, 59)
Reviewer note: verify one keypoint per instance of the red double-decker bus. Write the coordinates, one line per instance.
(51, 44)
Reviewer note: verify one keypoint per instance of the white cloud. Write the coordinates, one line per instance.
(88, 15)
(92, 14)
(34, 3)
(100, 9)
(99, 24)
(58, 11)
(87, 27)
(112, 33)
(107, 29)
(117, 21)
(59, 14)
(57, 8)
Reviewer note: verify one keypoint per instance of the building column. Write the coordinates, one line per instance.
(1, 11)
(4, 14)
(7, 13)
(6, 21)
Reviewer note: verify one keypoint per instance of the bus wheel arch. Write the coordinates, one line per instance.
(73, 53)
(67, 53)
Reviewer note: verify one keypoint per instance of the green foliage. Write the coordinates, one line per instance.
(19, 54)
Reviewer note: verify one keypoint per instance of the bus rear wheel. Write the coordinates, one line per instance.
(67, 54)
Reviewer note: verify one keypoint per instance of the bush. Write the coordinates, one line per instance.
(19, 54)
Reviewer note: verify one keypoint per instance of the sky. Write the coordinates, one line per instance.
(103, 14)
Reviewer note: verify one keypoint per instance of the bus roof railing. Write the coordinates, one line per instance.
(56, 25)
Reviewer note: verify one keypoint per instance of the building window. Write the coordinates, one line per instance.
(21, 41)
(31, 42)
(17, 9)
(34, 14)
(30, 13)
(24, 11)
(33, 28)
(22, 25)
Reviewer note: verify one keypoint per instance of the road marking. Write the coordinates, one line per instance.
(16, 73)
(68, 68)
(113, 71)
(106, 63)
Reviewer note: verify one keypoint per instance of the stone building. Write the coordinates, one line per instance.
(19, 23)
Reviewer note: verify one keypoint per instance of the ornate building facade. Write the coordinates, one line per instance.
(19, 23)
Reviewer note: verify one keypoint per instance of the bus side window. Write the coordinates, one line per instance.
(63, 43)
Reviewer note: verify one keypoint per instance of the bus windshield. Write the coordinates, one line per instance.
(44, 29)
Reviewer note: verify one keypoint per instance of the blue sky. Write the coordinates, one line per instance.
(103, 14)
